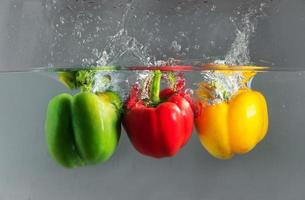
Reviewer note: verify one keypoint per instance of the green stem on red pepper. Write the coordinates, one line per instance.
(161, 126)
(155, 87)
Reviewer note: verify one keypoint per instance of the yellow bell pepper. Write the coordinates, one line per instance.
(235, 126)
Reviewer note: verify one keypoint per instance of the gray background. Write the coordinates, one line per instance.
(61, 33)
(275, 169)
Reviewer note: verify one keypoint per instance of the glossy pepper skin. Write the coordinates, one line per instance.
(233, 127)
(160, 130)
(83, 129)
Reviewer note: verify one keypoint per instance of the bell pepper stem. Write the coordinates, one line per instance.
(155, 87)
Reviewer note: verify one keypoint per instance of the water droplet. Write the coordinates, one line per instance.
(62, 19)
(175, 46)
(213, 8)
(189, 91)
(178, 8)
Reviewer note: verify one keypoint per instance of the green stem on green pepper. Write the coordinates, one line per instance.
(84, 79)
(155, 87)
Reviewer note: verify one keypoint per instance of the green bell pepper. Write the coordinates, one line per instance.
(83, 129)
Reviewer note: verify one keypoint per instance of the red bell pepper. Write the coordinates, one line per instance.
(161, 128)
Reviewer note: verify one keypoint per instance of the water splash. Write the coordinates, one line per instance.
(96, 38)
(239, 53)
(83, 36)
(245, 25)
(221, 86)
(121, 49)
(143, 82)
(107, 80)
